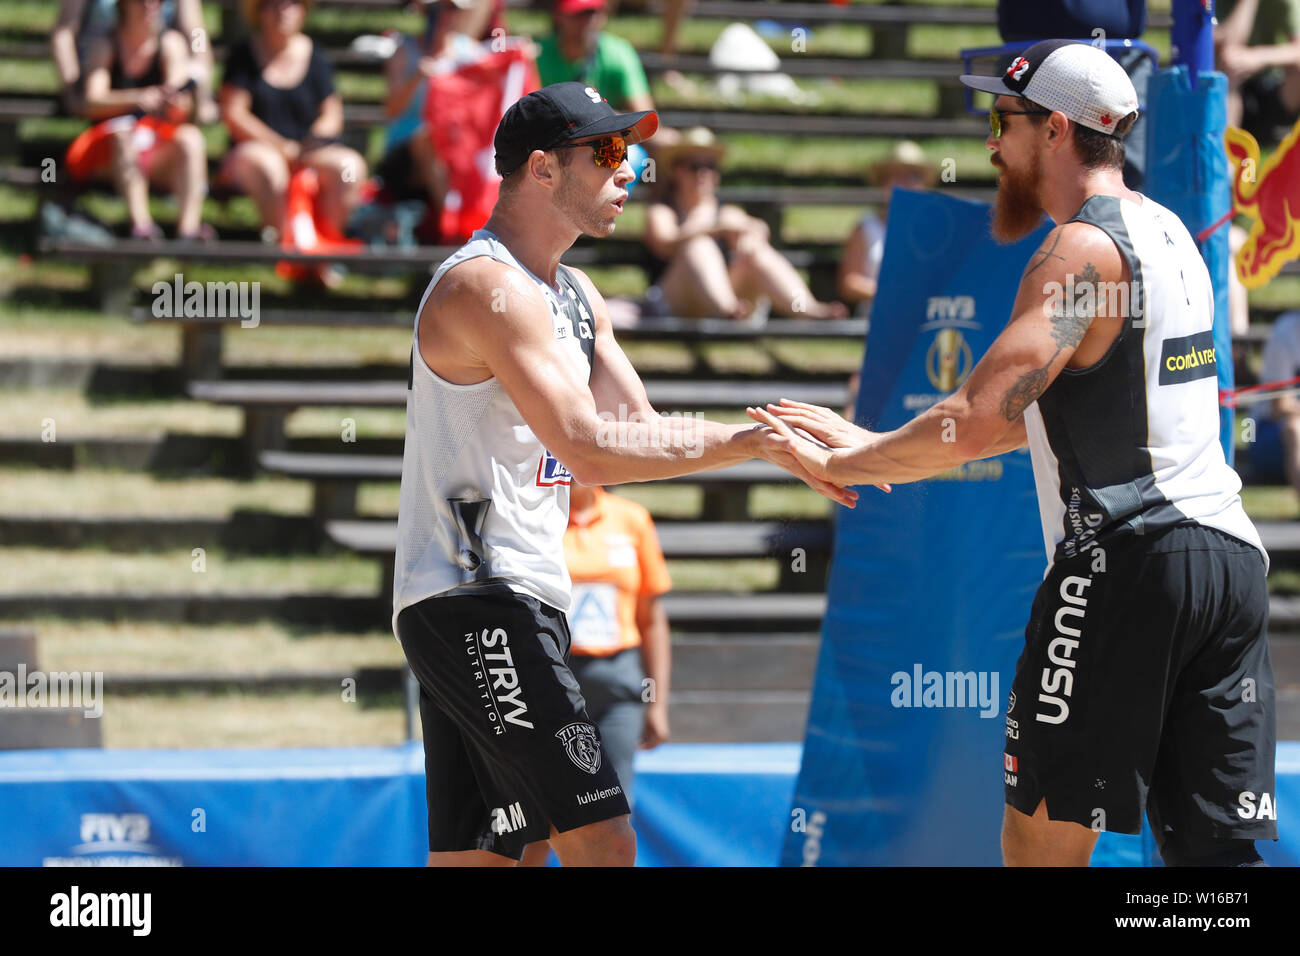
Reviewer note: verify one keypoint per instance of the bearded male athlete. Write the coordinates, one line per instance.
(516, 386)
(1145, 682)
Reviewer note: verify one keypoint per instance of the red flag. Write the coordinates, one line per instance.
(462, 109)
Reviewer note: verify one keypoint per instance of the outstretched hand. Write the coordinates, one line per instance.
(821, 423)
(775, 447)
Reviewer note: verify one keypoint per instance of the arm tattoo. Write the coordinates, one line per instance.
(1069, 325)
(1046, 254)
(1026, 391)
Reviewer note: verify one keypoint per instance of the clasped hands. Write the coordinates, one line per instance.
(807, 456)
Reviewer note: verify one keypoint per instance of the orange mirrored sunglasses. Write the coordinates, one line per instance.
(608, 151)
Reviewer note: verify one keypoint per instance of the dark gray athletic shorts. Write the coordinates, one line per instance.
(1148, 686)
(508, 747)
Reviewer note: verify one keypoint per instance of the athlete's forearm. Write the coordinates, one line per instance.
(947, 435)
(665, 448)
(1015, 437)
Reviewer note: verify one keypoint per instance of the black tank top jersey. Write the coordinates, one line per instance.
(153, 76)
(290, 112)
(1130, 444)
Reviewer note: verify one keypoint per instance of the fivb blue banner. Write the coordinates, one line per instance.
(930, 586)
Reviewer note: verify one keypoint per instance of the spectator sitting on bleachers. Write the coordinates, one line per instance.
(452, 37)
(711, 260)
(1028, 21)
(1275, 452)
(621, 652)
(579, 48)
(1257, 44)
(141, 70)
(859, 269)
(279, 102)
(82, 22)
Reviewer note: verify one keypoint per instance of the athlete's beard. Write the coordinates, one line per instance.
(581, 209)
(1017, 210)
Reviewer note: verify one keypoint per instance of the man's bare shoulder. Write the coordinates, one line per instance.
(484, 285)
(1071, 246)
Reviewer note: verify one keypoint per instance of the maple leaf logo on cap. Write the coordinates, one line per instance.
(1106, 120)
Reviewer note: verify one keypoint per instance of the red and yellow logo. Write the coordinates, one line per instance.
(1269, 194)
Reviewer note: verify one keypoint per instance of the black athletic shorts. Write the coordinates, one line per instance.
(508, 747)
(1148, 685)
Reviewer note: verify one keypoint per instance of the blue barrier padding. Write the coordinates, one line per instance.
(713, 804)
(937, 577)
(1187, 171)
(698, 804)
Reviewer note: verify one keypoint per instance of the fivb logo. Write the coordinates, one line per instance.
(114, 839)
(119, 832)
(950, 308)
(922, 688)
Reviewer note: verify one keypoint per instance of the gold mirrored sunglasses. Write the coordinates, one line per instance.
(995, 118)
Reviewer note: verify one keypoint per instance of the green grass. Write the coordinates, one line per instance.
(1270, 503)
(107, 493)
(96, 571)
(853, 96)
(731, 576)
(27, 413)
(193, 720)
(794, 158)
(147, 647)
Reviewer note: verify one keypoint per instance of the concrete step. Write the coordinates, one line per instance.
(171, 452)
(1285, 653)
(17, 647)
(737, 716)
(736, 662)
(736, 613)
(35, 728)
(243, 531)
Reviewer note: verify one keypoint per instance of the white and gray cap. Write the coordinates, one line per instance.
(1082, 81)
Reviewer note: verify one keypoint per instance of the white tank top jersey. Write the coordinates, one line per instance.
(483, 503)
(1131, 444)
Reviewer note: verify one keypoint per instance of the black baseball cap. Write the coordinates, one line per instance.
(560, 113)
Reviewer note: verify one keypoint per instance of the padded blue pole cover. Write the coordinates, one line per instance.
(1188, 171)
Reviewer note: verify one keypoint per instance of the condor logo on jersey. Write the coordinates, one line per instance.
(1187, 358)
(551, 473)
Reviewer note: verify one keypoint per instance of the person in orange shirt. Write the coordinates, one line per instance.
(621, 654)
